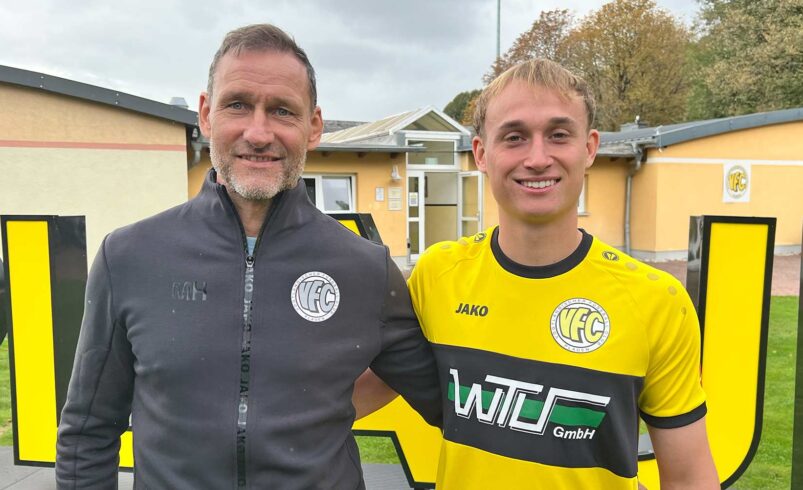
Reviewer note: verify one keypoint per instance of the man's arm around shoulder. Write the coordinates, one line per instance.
(406, 362)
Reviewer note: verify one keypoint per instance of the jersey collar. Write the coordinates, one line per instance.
(541, 271)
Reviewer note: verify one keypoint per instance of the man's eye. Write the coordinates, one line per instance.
(513, 138)
(281, 111)
(560, 135)
(236, 106)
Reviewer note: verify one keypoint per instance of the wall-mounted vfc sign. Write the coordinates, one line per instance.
(730, 268)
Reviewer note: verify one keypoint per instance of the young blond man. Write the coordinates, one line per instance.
(550, 344)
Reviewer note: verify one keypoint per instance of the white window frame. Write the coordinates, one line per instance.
(439, 136)
(319, 200)
(582, 202)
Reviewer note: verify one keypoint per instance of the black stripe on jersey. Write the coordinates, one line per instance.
(545, 271)
(538, 411)
(676, 421)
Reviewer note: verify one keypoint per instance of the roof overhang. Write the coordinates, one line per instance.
(357, 148)
(62, 86)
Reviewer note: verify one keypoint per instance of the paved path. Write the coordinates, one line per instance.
(785, 273)
(377, 476)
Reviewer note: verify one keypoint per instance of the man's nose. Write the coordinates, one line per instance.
(259, 131)
(538, 157)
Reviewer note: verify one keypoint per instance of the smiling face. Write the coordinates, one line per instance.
(535, 148)
(260, 123)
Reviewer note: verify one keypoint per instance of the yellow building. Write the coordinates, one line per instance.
(410, 171)
(647, 181)
(644, 185)
(68, 148)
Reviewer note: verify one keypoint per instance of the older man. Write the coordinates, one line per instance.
(247, 381)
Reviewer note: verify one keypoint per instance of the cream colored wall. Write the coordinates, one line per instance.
(112, 188)
(372, 170)
(605, 200)
(686, 180)
(34, 115)
(66, 156)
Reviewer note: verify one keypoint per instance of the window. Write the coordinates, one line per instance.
(582, 204)
(331, 193)
(436, 153)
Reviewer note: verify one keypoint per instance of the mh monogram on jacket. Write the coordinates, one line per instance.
(189, 291)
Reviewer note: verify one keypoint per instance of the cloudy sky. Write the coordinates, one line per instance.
(374, 58)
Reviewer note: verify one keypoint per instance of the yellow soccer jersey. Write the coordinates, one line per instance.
(547, 369)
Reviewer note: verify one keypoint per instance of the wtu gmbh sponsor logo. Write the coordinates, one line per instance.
(529, 407)
(315, 296)
(580, 325)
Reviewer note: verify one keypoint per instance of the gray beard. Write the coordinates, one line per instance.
(291, 172)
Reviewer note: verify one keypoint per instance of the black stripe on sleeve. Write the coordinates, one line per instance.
(677, 420)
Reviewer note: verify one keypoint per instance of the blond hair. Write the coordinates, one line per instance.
(537, 73)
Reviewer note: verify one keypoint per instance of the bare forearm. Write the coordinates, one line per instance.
(370, 394)
(684, 458)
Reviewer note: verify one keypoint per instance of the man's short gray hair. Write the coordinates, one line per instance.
(262, 37)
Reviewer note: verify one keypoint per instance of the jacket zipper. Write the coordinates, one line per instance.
(245, 369)
(245, 345)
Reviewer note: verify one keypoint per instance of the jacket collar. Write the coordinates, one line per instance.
(290, 208)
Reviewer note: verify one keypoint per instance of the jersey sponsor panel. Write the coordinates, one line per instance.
(540, 412)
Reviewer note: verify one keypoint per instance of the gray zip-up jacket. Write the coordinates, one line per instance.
(237, 370)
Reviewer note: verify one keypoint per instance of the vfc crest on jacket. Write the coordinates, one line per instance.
(237, 368)
(546, 370)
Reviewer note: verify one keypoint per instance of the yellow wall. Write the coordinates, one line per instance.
(196, 174)
(112, 188)
(34, 115)
(644, 209)
(372, 170)
(65, 156)
(686, 180)
(605, 200)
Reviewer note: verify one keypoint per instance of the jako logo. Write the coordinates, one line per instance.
(580, 325)
(189, 291)
(315, 296)
(473, 310)
(519, 405)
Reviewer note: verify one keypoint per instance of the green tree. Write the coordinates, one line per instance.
(456, 109)
(545, 39)
(635, 57)
(749, 57)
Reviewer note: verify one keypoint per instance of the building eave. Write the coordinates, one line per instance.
(63, 86)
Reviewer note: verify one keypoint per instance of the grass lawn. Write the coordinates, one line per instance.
(771, 466)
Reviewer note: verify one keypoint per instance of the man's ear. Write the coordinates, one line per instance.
(592, 145)
(316, 129)
(204, 106)
(478, 148)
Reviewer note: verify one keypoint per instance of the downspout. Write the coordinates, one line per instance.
(638, 154)
(197, 143)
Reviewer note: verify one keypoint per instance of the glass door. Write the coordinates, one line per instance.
(415, 215)
(469, 194)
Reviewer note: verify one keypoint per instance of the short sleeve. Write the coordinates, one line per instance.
(673, 395)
